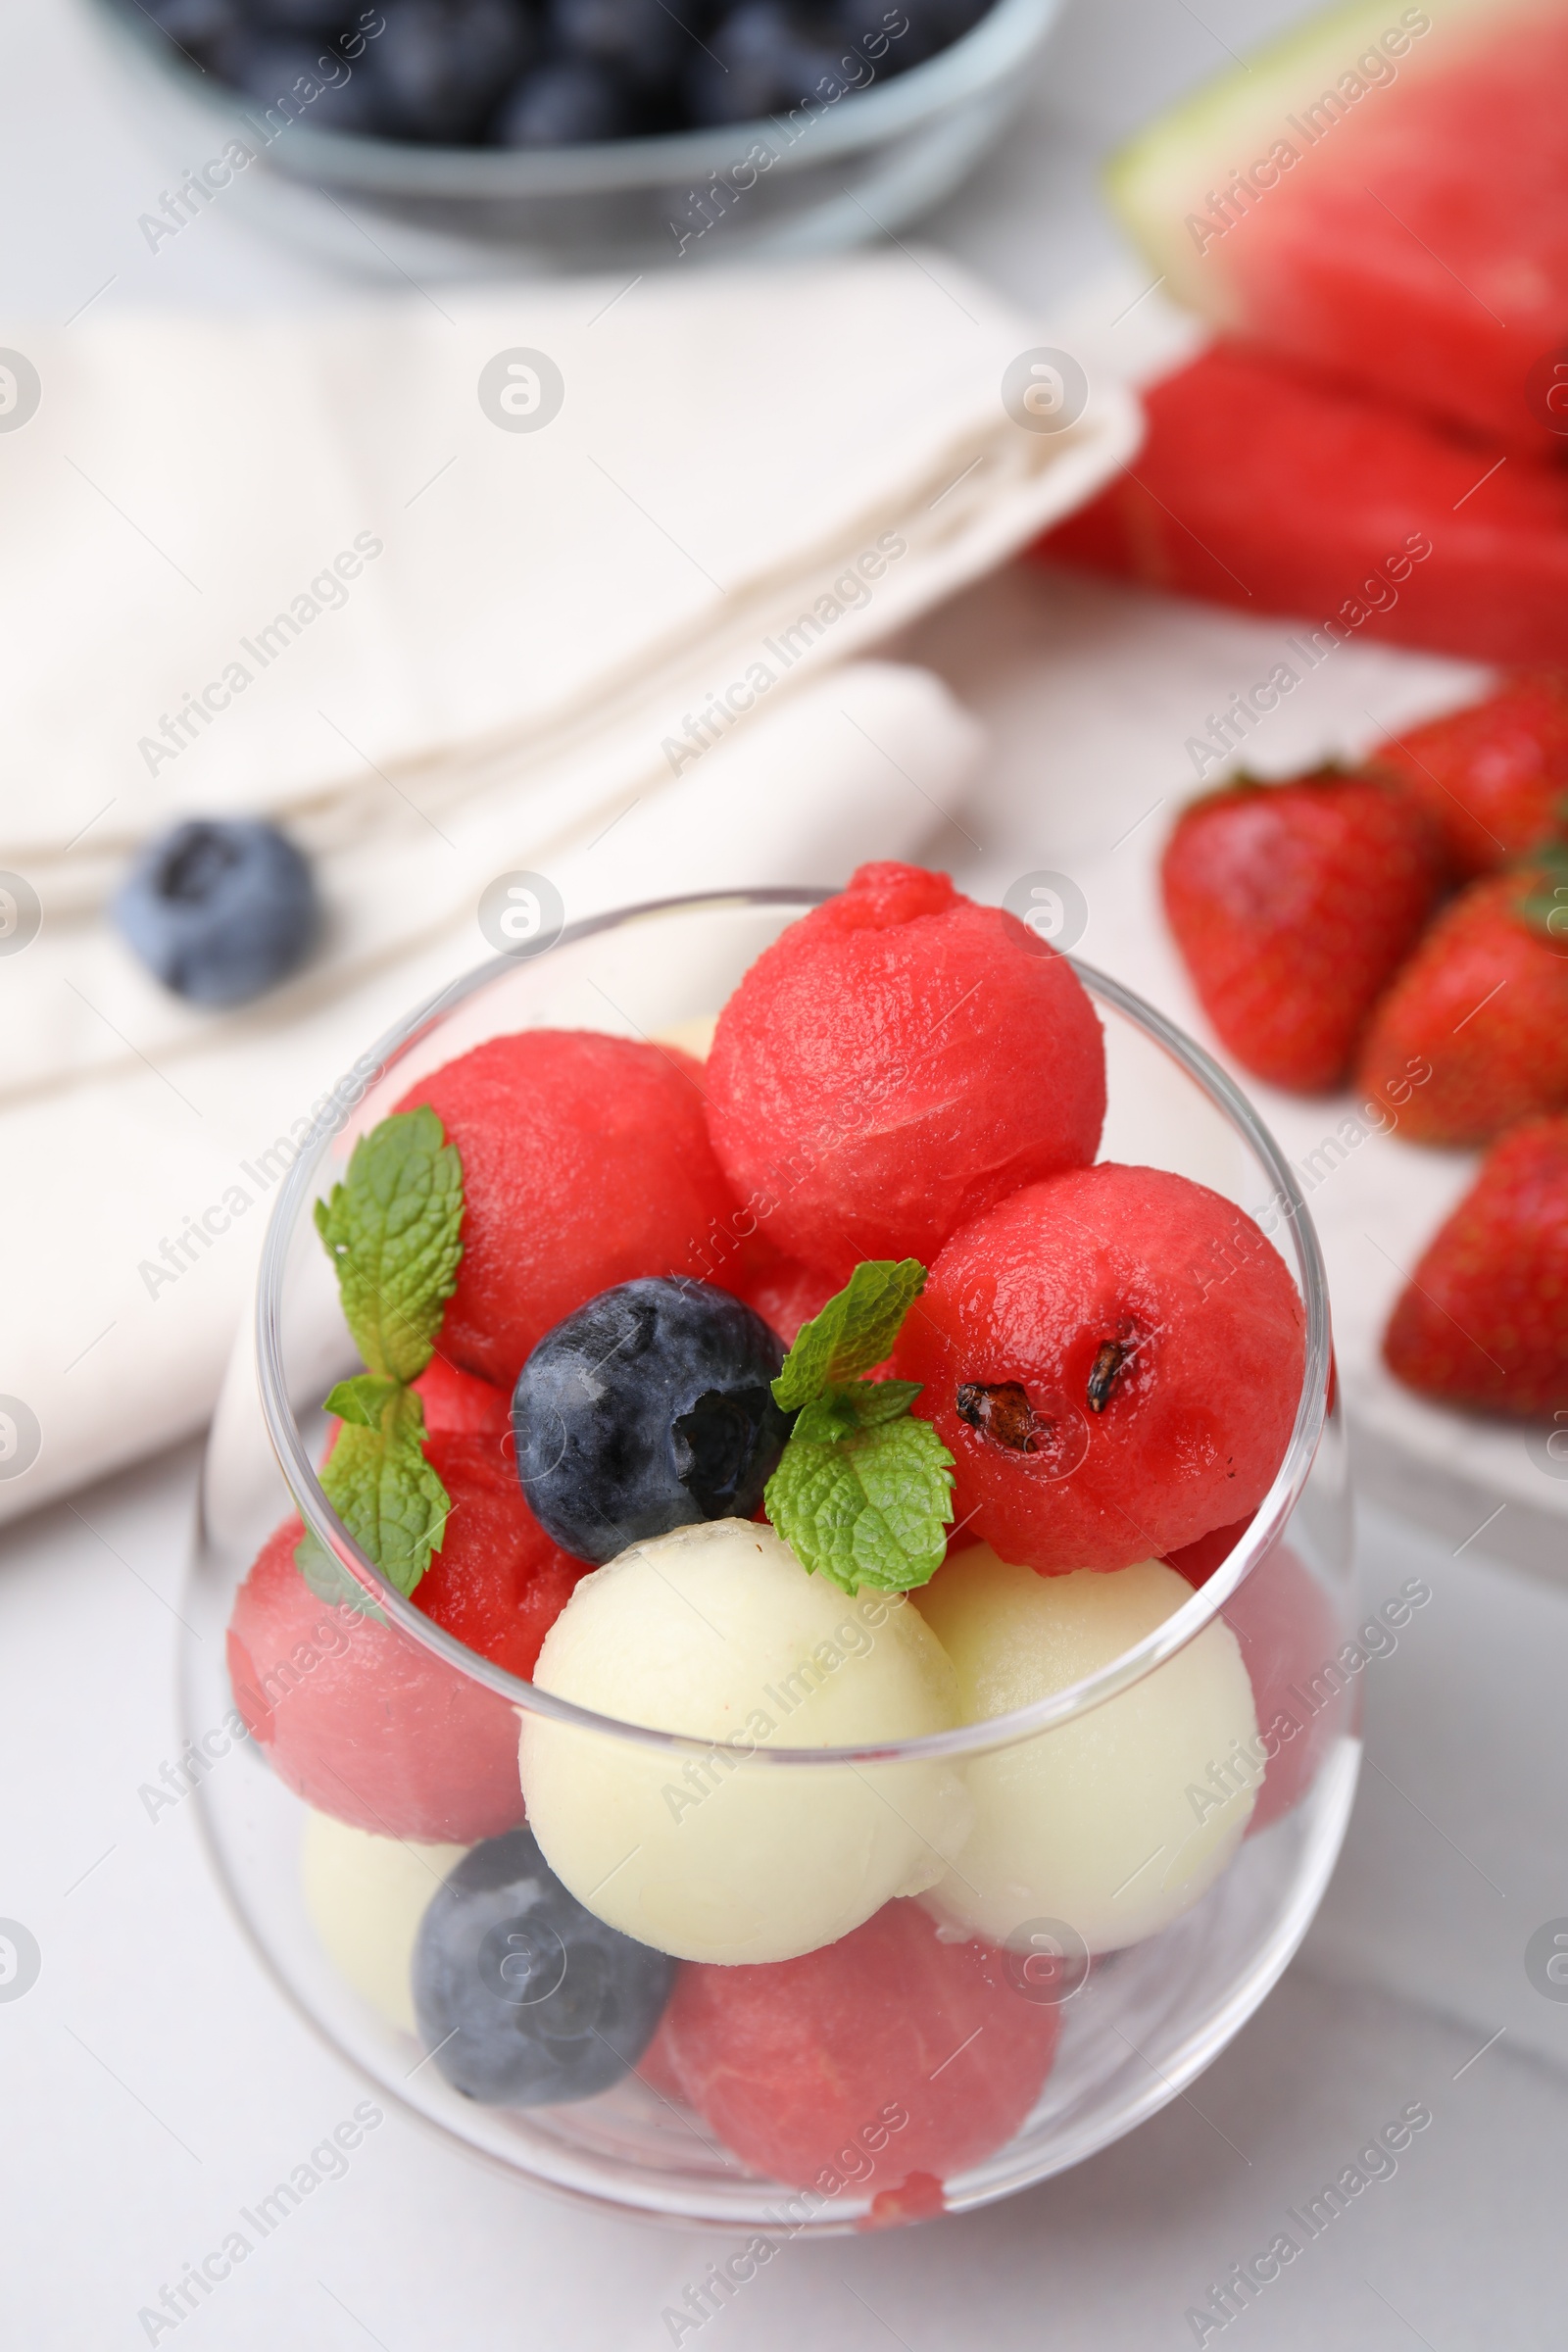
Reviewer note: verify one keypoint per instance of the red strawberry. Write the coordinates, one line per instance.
(1294, 904)
(1494, 778)
(1484, 1319)
(1484, 1002)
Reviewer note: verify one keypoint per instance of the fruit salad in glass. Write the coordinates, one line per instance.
(783, 1570)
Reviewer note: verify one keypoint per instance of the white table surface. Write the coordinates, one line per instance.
(153, 2080)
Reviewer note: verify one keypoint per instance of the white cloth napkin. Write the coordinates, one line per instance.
(528, 650)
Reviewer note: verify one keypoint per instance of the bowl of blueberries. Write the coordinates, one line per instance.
(584, 134)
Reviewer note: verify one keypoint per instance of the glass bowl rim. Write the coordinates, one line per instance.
(992, 47)
(989, 1733)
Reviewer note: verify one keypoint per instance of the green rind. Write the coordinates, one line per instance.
(1165, 173)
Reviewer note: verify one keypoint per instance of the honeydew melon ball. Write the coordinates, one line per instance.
(1113, 1823)
(366, 1896)
(718, 1632)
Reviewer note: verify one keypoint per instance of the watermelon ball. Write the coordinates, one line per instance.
(361, 1721)
(893, 2051)
(1114, 1361)
(524, 1999)
(454, 1403)
(650, 1408)
(787, 1294)
(499, 1581)
(1197, 1560)
(897, 1061)
(219, 909)
(586, 1162)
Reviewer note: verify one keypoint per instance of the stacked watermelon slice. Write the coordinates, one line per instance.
(1373, 214)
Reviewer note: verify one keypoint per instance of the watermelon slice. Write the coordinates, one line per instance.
(1261, 486)
(1385, 194)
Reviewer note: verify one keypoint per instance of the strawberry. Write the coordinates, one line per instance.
(1494, 778)
(1484, 1319)
(1484, 1002)
(1294, 904)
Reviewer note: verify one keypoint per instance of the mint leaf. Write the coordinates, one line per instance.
(868, 1510)
(380, 1486)
(363, 1399)
(391, 1231)
(854, 1332)
(861, 1405)
(875, 1400)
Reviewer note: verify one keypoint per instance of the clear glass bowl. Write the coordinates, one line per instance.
(869, 161)
(1134, 2029)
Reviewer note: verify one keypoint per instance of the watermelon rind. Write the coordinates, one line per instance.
(1165, 176)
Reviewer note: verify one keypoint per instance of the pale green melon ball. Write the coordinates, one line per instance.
(1108, 1822)
(718, 1632)
(366, 1896)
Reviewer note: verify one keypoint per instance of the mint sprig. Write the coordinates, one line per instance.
(863, 1492)
(391, 1230)
(378, 1481)
(856, 1330)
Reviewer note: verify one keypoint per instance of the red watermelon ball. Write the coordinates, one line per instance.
(1293, 1648)
(456, 1404)
(363, 1723)
(1133, 1286)
(787, 1294)
(586, 1162)
(498, 1582)
(890, 2052)
(897, 1062)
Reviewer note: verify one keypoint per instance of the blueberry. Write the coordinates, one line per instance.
(571, 102)
(647, 41)
(219, 911)
(763, 59)
(322, 17)
(933, 25)
(651, 1407)
(441, 66)
(268, 67)
(524, 1998)
(195, 25)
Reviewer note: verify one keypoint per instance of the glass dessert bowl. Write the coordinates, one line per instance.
(845, 1897)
